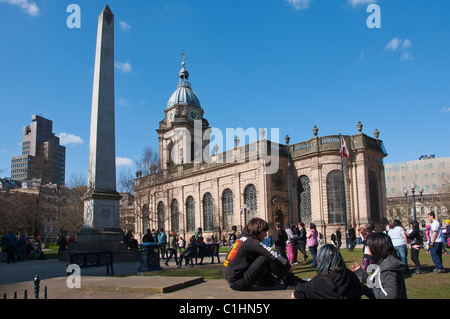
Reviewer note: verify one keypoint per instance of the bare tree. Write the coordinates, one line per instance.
(69, 215)
(15, 211)
(126, 181)
(148, 163)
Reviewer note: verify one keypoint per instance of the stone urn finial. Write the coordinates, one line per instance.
(236, 141)
(359, 126)
(315, 130)
(376, 133)
(262, 133)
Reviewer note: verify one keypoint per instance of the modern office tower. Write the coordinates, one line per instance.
(428, 172)
(42, 155)
(429, 178)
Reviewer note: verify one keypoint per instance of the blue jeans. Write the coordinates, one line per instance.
(436, 255)
(313, 252)
(402, 251)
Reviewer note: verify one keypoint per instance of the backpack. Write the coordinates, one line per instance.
(232, 237)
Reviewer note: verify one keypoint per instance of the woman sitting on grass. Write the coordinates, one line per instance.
(333, 281)
(387, 282)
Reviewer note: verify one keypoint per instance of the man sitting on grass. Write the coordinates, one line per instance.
(249, 262)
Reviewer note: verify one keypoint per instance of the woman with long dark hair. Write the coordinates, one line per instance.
(333, 281)
(387, 281)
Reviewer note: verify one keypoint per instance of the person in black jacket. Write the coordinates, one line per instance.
(416, 245)
(250, 262)
(333, 281)
(302, 240)
(280, 240)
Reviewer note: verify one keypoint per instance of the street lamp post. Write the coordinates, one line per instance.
(413, 187)
(287, 139)
(244, 211)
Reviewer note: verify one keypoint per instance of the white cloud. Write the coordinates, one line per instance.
(299, 4)
(407, 57)
(123, 102)
(355, 3)
(123, 161)
(30, 7)
(406, 44)
(124, 67)
(446, 109)
(393, 45)
(124, 26)
(397, 44)
(400, 45)
(69, 139)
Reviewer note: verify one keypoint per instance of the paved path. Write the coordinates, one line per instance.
(127, 283)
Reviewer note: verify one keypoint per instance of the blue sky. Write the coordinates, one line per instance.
(274, 63)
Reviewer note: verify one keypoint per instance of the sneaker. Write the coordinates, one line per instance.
(439, 271)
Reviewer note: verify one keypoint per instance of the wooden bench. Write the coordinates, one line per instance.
(88, 259)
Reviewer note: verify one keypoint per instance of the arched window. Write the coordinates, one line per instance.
(335, 197)
(190, 214)
(161, 216)
(174, 216)
(304, 200)
(374, 198)
(227, 205)
(208, 224)
(250, 201)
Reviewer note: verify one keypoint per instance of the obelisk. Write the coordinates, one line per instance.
(101, 202)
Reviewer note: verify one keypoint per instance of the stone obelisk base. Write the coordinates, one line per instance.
(101, 231)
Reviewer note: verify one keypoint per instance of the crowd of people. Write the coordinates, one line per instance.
(172, 245)
(258, 258)
(21, 247)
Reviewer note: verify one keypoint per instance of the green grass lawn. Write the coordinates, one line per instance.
(424, 286)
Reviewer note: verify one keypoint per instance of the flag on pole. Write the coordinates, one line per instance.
(344, 148)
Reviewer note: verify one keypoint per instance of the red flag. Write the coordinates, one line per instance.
(344, 148)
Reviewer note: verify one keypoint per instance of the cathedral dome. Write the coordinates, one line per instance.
(184, 94)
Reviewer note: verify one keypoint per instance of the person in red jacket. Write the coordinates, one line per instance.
(249, 262)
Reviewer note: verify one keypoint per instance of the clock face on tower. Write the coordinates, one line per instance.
(193, 115)
(171, 116)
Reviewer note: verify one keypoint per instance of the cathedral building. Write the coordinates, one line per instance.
(285, 183)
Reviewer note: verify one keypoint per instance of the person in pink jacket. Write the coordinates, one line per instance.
(311, 241)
